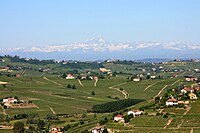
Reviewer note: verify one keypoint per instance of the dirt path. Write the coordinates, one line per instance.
(52, 110)
(169, 122)
(23, 72)
(187, 110)
(125, 93)
(95, 83)
(52, 81)
(175, 82)
(166, 87)
(150, 86)
(79, 81)
(4, 111)
(191, 131)
(42, 74)
(161, 91)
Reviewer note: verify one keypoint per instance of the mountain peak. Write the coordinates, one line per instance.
(98, 39)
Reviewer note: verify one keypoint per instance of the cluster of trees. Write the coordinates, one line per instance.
(82, 65)
(115, 105)
(71, 86)
(19, 127)
(52, 117)
(30, 61)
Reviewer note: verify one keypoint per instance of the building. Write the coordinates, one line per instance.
(135, 112)
(190, 78)
(70, 76)
(18, 75)
(171, 102)
(192, 96)
(185, 90)
(153, 77)
(136, 79)
(55, 130)
(119, 118)
(98, 129)
(9, 100)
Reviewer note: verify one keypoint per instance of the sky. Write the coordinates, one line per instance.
(26, 23)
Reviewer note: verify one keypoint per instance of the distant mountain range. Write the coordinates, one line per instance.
(99, 49)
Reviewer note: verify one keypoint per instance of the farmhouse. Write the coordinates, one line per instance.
(83, 77)
(70, 76)
(153, 77)
(55, 130)
(17, 75)
(185, 90)
(9, 100)
(135, 112)
(119, 118)
(136, 79)
(98, 129)
(190, 78)
(171, 102)
(192, 96)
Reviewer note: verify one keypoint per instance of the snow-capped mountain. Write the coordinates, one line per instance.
(99, 48)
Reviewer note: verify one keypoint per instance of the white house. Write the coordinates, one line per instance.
(70, 76)
(9, 100)
(152, 77)
(189, 79)
(135, 112)
(171, 102)
(98, 129)
(119, 118)
(185, 90)
(136, 79)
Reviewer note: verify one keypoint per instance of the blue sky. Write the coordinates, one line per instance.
(45, 22)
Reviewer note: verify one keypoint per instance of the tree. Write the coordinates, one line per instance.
(41, 124)
(66, 127)
(93, 93)
(18, 127)
(126, 118)
(73, 87)
(157, 100)
(105, 131)
(69, 86)
(148, 77)
(8, 119)
(198, 79)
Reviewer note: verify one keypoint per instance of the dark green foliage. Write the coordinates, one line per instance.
(66, 128)
(198, 79)
(73, 87)
(165, 116)
(18, 127)
(82, 65)
(148, 77)
(85, 131)
(103, 121)
(126, 118)
(69, 86)
(41, 124)
(52, 117)
(157, 100)
(81, 122)
(93, 93)
(105, 131)
(115, 105)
